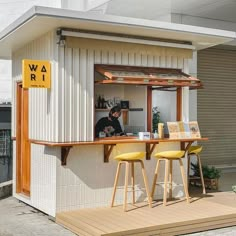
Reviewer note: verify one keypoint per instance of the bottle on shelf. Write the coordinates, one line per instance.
(103, 102)
(99, 102)
(96, 101)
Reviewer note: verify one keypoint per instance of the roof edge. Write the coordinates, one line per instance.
(111, 19)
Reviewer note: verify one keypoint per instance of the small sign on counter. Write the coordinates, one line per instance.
(144, 135)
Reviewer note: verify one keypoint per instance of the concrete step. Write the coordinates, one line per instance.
(5, 189)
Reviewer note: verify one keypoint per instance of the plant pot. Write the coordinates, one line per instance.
(209, 183)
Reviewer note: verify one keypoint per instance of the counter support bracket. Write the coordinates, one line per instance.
(107, 151)
(187, 147)
(64, 154)
(149, 150)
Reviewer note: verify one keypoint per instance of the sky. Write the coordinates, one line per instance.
(10, 10)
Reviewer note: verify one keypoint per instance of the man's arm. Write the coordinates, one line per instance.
(118, 129)
(99, 127)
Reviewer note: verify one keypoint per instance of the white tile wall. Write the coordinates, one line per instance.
(86, 181)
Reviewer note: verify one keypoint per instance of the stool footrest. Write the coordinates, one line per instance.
(194, 177)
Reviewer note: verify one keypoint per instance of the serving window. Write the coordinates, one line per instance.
(133, 88)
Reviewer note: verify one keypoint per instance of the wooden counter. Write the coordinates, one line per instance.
(110, 142)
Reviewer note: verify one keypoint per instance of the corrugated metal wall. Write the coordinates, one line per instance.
(65, 112)
(217, 106)
(43, 110)
(81, 56)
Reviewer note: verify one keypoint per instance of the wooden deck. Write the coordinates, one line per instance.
(215, 210)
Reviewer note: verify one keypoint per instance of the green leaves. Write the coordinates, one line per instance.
(208, 172)
(155, 118)
(234, 188)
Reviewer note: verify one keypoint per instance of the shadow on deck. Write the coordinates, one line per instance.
(214, 210)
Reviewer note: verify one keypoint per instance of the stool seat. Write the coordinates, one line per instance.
(130, 156)
(168, 157)
(195, 151)
(129, 159)
(170, 154)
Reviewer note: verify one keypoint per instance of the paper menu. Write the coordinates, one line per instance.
(180, 129)
(174, 129)
(194, 129)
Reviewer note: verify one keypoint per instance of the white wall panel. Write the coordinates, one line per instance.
(43, 178)
(41, 101)
(87, 182)
(65, 113)
(81, 56)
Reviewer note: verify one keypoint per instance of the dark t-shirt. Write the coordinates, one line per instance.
(113, 127)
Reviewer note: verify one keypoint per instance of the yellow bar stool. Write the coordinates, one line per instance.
(129, 159)
(168, 157)
(195, 151)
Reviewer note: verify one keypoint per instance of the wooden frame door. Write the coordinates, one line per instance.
(22, 141)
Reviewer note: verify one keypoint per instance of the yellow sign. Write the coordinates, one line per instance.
(36, 74)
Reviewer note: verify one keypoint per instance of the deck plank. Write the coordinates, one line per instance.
(213, 211)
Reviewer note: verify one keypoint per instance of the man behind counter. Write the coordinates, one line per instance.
(110, 125)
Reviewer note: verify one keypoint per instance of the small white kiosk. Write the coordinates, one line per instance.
(58, 166)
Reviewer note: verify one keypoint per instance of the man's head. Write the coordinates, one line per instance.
(115, 113)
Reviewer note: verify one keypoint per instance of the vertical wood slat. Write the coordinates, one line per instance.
(25, 150)
(18, 138)
(179, 104)
(149, 109)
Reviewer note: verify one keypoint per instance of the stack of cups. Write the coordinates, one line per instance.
(161, 130)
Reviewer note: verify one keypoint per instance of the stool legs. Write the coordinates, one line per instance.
(168, 179)
(146, 184)
(155, 178)
(166, 182)
(115, 183)
(200, 170)
(201, 175)
(132, 181)
(127, 165)
(184, 180)
(126, 184)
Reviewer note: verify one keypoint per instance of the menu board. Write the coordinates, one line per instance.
(180, 129)
(194, 129)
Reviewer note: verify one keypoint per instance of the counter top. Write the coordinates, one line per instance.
(115, 140)
(109, 143)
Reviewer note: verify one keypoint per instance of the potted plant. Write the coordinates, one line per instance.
(210, 175)
(155, 118)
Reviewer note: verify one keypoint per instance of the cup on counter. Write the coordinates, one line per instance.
(155, 135)
(144, 135)
(102, 134)
(161, 130)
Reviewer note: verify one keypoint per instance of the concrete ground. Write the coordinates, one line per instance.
(19, 219)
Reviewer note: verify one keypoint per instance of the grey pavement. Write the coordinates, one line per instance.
(19, 219)
(229, 231)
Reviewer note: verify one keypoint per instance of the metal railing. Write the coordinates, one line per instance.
(5, 143)
(5, 155)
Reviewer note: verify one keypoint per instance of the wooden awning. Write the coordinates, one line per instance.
(158, 78)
